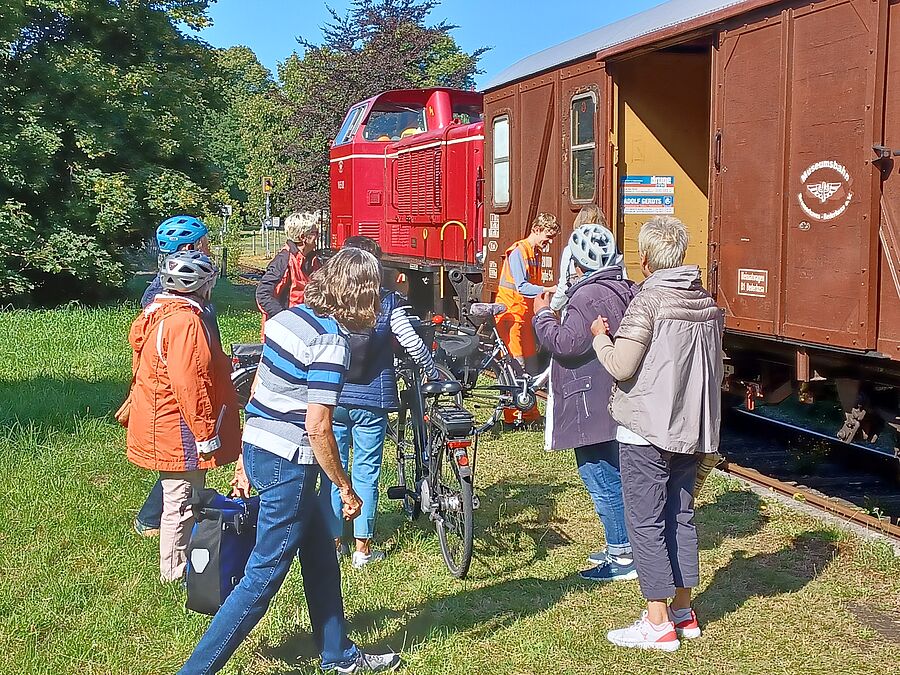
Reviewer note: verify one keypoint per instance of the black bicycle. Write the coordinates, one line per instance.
(244, 363)
(434, 436)
(472, 352)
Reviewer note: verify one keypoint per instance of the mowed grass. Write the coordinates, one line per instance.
(79, 591)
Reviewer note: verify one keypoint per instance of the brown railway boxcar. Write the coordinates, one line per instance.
(770, 129)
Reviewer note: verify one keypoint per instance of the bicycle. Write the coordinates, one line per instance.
(471, 352)
(433, 436)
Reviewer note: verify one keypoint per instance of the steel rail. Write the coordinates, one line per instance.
(827, 504)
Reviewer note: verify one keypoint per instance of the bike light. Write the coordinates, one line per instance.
(437, 319)
(458, 444)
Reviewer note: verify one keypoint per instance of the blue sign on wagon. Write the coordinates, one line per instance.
(648, 195)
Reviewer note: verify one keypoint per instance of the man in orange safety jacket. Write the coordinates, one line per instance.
(520, 283)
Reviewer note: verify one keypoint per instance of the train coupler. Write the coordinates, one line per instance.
(852, 422)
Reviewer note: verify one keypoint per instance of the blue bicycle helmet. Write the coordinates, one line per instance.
(178, 231)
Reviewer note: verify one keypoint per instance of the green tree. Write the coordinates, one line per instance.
(100, 102)
(378, 45)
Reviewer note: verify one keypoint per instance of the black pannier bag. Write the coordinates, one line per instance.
(461, 354)
(223, 536)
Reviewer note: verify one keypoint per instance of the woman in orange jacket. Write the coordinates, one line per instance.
(184, 413)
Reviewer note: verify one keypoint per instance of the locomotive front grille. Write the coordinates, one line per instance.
(418, 186)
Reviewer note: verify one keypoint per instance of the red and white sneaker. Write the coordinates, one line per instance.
(687, 628)
(644, 635)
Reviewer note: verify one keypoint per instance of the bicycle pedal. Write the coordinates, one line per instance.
(397, 492)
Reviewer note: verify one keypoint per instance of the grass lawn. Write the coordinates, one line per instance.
(781, 592)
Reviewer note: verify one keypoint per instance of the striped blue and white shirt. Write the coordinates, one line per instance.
(304, 360)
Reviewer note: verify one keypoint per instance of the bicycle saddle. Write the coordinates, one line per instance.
(481, 310)
(441, 387)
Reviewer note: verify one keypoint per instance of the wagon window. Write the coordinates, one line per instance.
(583, 148)
(501, 161)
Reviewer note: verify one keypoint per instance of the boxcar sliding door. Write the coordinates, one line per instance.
(795, 248)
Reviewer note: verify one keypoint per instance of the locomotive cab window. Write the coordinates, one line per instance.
(500, 180)
(391, 122)
(583, 149)
(350, 125)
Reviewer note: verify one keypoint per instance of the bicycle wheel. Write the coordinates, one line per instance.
(409, 462)
(455, 524)
(242, 380)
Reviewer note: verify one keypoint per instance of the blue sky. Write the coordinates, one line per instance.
(515, 29)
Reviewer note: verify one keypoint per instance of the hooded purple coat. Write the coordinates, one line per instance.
(580, 386)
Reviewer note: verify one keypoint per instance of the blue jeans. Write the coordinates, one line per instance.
(150, 514)
(598, 465)
(291, 523)
(366, 428)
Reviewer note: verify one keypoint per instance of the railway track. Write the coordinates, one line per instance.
(814, 469)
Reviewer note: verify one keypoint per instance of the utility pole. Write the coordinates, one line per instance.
(226, 213)
(267, 186)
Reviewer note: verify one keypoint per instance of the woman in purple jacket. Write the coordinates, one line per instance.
(578, 415)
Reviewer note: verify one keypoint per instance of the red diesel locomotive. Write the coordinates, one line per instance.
(407, 170)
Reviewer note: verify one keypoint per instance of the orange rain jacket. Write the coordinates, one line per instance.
(182, 400)
(514, 325)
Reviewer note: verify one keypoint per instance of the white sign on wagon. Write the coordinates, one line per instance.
(494, 226)
(648, 195)
(754, 283)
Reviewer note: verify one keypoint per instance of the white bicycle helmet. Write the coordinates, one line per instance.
(593, 247)
(186, 272)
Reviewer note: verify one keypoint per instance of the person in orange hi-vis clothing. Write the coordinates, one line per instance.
(520, 283)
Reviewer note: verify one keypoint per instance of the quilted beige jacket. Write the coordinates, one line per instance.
(674, 398)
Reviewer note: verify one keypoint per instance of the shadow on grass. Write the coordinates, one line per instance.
(766, 574)
(480, 612)
(58, 403)
(734, 515)
(518, 518)
(512, 518)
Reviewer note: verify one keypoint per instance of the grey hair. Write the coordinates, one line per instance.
(298, 225)
(664, 240)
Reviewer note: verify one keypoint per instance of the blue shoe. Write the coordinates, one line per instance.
(610, 571)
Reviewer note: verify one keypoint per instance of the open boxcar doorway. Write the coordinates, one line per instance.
(661, 146)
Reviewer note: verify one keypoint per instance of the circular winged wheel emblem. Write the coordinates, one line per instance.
(826, 190)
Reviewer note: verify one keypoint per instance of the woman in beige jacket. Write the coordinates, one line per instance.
(668, 362)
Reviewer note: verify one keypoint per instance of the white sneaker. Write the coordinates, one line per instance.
(371, 663)
(360, 559)
(644, 635)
